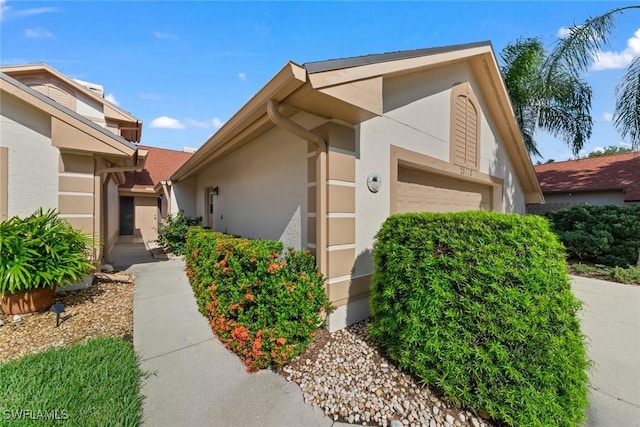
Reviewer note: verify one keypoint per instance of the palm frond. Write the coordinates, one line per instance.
(627, 114)
(575, 51)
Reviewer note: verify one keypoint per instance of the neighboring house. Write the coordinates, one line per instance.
(605, 180)
(144, 196)
(326, 151)
(63, 146)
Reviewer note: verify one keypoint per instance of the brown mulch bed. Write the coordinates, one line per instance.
(104, 309)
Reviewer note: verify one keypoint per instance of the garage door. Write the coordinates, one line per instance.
(420, 191)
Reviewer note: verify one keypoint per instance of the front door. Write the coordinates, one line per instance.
(126, 216)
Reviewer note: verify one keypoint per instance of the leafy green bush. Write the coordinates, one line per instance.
(42, 251)
(263, 305)
(607, 235)
(173, 234)
(478, 305)
(627, 275)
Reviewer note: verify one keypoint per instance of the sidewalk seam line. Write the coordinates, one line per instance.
(176, 350)
(163, 295)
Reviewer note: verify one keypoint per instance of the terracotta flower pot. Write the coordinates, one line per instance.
(29, 301)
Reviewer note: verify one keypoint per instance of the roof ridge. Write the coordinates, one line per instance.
(338, 63)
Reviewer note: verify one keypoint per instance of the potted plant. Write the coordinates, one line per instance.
(38, 253)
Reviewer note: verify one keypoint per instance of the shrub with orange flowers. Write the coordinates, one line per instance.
(263, 304)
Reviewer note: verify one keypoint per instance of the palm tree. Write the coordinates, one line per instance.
(548, 93)
(576, 52)
(560, 105)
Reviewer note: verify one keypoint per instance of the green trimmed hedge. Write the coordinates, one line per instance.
(478, 306)
(263, 305)
(608, 235)
(173, 234)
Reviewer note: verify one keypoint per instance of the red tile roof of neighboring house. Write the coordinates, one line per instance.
(159, 166)
(619, 171)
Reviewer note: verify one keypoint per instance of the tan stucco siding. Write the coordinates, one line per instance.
(417, 118)
(90, 108)
(262, 189)
(77, 188)
(31, 159)
(146, 217)
(113, 214)
(555, 201)
(184, 198)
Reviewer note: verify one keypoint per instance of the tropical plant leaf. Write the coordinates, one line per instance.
(627, 114)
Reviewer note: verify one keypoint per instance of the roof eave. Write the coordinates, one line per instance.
(286, 81)
(41, 66)
(35, 98)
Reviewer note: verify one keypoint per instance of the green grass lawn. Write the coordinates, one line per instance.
(96, 383)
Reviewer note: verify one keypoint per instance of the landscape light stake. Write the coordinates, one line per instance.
(57, 309)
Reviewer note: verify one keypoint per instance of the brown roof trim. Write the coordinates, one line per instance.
(128, 149)
(293, 84)
(41, 66)
(355, 61)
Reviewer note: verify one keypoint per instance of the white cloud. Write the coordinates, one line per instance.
(164, 122)
(7, 12)
(148, 96)
(198, 123)
(208, 123)
(597, 149)
(607, 117)
(242, 76)
(613, 60)
(3, 9)
(165, 36)
(111, 98)
(563, 32)
(38, 33)
(34, 11)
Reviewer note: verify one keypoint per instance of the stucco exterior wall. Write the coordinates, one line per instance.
(417, 117)
(26, 132)
(146, 217)
(113, 215)
(262, 188)
(555, 201)
(183, 197)
(90, 108)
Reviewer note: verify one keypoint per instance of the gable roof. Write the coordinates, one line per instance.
(350, 90)
(618, 171)
(114, 143)
(111, 110)
(356, 61)
(159, 166)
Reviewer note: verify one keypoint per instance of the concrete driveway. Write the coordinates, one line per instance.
(611, 321)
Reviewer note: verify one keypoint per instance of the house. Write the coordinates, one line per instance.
(605, 180)
(144, 195)
(326, 151)
(63, 146)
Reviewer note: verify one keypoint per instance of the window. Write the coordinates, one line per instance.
(465, 127)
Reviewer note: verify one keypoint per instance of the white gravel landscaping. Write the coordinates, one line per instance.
(345, 375)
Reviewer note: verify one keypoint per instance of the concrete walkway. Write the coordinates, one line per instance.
(195, 380)
(611, 321)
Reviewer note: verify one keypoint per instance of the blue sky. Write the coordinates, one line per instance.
(184, 68)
